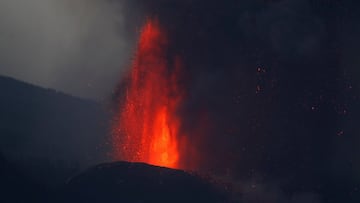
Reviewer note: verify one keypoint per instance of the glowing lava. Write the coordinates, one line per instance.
(147, 129)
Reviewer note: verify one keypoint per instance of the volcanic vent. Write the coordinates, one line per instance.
(147, 126)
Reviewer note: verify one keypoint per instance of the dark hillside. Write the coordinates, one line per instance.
(46, 130)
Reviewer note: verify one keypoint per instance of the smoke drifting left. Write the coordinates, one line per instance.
(265, 89)
(265, 93)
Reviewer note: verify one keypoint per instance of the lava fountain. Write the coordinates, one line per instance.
(147, 125)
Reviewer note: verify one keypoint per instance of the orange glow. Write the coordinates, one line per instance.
(147, 129)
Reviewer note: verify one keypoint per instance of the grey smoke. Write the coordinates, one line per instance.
(79, 47)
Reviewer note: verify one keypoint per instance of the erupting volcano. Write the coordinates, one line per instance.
(147, 127)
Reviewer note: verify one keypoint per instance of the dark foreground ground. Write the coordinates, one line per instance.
(112, 182)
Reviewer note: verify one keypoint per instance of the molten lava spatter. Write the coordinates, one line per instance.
(147, 129)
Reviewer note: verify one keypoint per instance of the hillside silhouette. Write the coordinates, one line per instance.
(49, 133)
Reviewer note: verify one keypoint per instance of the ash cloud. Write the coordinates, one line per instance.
(269, 79)
(79, 47)
(273, 85)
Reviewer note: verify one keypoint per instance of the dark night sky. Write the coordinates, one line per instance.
(272, 86)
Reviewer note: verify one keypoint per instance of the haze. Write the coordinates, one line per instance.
(78, 47)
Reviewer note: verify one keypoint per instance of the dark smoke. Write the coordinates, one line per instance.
(273, 87)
